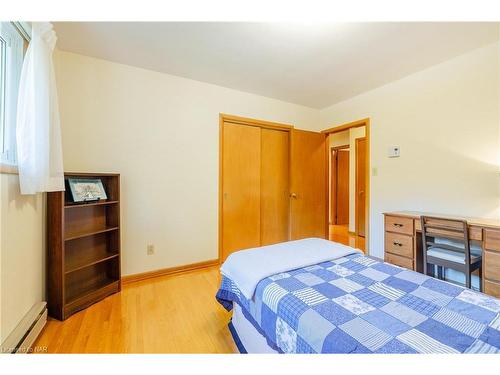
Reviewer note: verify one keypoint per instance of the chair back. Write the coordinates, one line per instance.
(441, 228)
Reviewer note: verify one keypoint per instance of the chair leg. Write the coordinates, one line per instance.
(425, 268)
(430, 270)
(440, 272)
(480, 271)
(468, 279)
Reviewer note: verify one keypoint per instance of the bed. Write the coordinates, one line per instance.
(317, 296)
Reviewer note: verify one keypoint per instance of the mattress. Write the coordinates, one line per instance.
(355, 304)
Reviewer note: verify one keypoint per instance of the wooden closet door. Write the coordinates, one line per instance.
(274, 185)
(241, 166)
(308, 214)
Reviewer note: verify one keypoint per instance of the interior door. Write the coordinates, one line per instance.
(361, 186)
(342, 179)
(241, 165)
(274, 185)
(308, 210)
(332, 210)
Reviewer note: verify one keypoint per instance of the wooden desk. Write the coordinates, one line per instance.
(403, 243)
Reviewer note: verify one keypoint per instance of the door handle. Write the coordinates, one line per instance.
(293, 195)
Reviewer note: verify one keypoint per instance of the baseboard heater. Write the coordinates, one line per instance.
(22, 338)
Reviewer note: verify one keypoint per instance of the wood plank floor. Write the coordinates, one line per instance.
(168, 314)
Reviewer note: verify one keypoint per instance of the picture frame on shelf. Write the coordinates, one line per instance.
(87, 190)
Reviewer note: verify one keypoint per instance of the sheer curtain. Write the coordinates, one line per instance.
(39, 149)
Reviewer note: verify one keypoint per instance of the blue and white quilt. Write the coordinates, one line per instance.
(356, 304)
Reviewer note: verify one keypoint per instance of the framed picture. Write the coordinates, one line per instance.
(85, 190)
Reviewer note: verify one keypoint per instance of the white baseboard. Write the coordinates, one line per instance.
(24, 335)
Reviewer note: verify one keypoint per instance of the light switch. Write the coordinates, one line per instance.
(394, 152)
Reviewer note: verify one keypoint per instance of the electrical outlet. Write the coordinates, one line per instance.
(393, 152)
(151, 249)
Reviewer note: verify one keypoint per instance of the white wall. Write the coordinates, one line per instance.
(161, 133)
(339, 139)
(22, 253)
(446, 121)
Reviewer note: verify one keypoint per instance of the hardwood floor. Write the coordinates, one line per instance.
(167, 314)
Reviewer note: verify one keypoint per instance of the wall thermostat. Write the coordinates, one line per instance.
(394, 152)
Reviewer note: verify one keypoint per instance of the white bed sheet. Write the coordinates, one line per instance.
(246, 268)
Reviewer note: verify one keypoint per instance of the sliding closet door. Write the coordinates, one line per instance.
(241, 165)
(307, 185)
(274, 186)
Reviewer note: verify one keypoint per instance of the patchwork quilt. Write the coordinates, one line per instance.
(356, 304)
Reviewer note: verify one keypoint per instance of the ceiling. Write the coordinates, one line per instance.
(315, 65)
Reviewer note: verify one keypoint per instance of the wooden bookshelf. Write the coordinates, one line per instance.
(83, 247)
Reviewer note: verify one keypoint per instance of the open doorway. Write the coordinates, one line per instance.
(339, 181)
(348, 154)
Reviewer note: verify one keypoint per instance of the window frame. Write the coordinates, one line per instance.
(3, 75)
(16, 35)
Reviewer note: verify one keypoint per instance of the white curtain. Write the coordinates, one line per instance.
(38, 129)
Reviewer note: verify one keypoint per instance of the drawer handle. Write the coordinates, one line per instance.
(398, 225)
(397, 243)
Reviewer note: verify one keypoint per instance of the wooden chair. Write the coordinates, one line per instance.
(446, 244)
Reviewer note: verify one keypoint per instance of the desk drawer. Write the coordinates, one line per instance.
(491, 288)
(492, 265)
(399, 261)
(475, 233)
(399, 244)
(492, 239)
(399, 224)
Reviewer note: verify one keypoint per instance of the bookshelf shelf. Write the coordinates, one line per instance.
(84, 205)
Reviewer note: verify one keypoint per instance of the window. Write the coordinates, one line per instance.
(11, 60)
